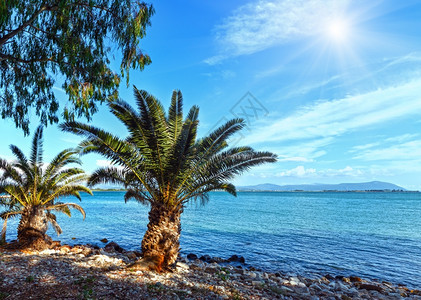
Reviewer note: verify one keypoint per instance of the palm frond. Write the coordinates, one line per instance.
(175, 115)
(137, 195)
(162, 161)
(65, 208)
(11, 171)
(62, 159)
(5, 216)
(111, 175)
(37, 148)
(217, 140)
(19, 154)
(53, 221)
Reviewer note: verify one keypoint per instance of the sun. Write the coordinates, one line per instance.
(338, 30)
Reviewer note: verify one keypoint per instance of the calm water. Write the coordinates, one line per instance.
(374, 235)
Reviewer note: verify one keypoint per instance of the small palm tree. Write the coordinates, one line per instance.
(163, 164)
(33, 189)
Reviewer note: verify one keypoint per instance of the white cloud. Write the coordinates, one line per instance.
(262, 24)
(333, 118)
(299, 171)
(347, 171)
(302, 172)
(8, 158)
(103, 163)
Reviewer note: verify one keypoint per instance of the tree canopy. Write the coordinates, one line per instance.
(68, 42)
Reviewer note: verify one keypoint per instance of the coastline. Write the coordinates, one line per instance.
(89, 272)
(294, 191)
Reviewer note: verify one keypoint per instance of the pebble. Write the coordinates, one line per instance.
(257, 282)
(25, 275)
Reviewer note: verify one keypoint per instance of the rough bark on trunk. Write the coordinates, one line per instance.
(32, 229)
(160, 244)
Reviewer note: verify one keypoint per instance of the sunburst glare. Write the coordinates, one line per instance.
(338, 30)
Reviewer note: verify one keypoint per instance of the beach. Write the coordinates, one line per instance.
(87, 272)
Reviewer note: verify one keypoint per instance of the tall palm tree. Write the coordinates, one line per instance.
(162, 163)
(34, 188)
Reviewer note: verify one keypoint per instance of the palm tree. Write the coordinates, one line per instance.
(33, 189)
(162, 163)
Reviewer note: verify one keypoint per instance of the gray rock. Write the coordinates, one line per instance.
(340, 287)
(236, 258)
(131, 255)
(370, 287)
(113, 247)
(238, 271)
(205, 258)
(316, 287)
(352, 292)
(302, 290)
(286, 289)
(211, 269)
(395, 296)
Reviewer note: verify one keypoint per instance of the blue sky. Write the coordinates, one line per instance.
(332, 87)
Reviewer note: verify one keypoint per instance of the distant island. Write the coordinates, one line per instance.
(112, 189)
(373, 186)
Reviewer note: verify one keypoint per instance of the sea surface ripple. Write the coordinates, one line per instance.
(372, 235)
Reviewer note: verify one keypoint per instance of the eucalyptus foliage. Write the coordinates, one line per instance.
(67, 42)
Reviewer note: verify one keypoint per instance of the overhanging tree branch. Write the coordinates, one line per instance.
(26, 61)
(67, 39)
(14, 32)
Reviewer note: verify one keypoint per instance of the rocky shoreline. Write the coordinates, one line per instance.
(90, 272)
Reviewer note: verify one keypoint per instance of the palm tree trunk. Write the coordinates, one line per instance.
(32, 229)
(160, 244)
(3, 232)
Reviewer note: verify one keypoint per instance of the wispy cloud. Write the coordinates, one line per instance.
(215, 59)
(402, 138)
(399, 152)
(363, 147)
(306, 151)
(337, 117)
(284, 158)
(262, 24)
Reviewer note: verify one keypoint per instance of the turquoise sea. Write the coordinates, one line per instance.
(372, 235)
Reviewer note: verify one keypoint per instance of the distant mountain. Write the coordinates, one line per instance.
(342, 187)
